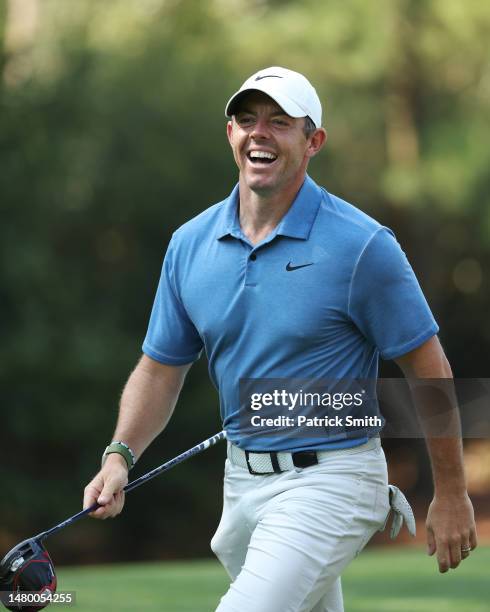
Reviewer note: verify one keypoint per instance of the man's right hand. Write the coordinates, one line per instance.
(106, 488)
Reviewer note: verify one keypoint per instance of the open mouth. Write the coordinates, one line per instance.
(261, 157)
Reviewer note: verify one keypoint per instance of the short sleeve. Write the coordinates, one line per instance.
(171, 337)
(386, 302)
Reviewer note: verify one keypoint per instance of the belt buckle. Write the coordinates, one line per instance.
(274, 462)
(304, 459)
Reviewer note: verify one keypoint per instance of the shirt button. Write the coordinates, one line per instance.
(253, 256)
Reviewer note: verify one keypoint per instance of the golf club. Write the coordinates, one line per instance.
(28, 566)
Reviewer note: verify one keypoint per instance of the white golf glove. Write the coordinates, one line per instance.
(401, 511)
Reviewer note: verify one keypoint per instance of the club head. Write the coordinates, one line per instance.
(27, 567)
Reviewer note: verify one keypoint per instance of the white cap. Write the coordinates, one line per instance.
(291, 90)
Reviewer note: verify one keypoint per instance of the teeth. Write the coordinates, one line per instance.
(262, 154)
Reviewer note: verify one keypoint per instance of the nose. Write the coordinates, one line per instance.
(261, 129)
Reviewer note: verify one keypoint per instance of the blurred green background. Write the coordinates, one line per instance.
(112, 134)
(380, 580)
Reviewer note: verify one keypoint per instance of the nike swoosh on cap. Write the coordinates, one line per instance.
(268, 76)
(290, 268)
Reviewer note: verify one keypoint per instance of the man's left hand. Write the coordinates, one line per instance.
(451, 530)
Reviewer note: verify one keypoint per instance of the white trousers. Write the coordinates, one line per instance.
(285, 539)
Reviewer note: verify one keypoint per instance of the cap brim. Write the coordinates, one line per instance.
(288, 106)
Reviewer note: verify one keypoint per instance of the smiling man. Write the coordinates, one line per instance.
(272, 150)
(283, 280)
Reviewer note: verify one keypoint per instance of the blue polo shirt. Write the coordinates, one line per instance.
(323, 296)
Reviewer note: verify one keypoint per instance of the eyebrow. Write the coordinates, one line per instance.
(279, 113)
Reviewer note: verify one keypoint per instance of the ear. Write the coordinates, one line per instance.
(229, 131)
(317, 140)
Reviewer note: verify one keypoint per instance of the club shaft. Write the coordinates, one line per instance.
(139, 481)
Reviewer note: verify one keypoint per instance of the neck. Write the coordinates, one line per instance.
(260, 213)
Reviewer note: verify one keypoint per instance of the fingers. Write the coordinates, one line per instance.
(469, 543)
(451, 530)
(473, 538)
(431, 542)
(443, 556)
(92, 492)
(450, 554)
(455, 553)
(111, 499)
(110, 509)
(112, 486)
(106, 489)
(111, 504)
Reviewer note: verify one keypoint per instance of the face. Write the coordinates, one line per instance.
(270, 147)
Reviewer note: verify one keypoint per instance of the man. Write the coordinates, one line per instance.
(284, 281)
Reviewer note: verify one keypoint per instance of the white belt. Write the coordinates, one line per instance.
(270, 462)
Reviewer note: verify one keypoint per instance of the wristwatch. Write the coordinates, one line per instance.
(121, 449)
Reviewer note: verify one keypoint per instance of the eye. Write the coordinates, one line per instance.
(244, 120)
(280, 122)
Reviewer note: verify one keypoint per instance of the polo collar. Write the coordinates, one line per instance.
(228, 223)
(296, 223)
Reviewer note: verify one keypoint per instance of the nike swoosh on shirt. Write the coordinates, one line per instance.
(290, 268)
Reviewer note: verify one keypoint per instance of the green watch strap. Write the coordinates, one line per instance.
(121, 449)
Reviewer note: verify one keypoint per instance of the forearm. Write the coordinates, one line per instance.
(446, 456)
(436, 404)
(147, 403)
(431, 383)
